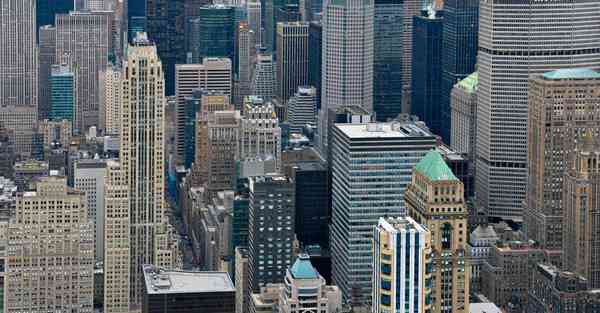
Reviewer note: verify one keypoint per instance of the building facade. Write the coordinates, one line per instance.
(260, 134)
(292, 58)
(302, 108)
(315, 50)
(217, 33)
(263, 80)
(63, 93)
(110, 100)
(463, 120)
(47, 57)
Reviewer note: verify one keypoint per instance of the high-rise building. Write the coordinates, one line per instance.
(213, 74)
(402, 274)
(562, 105)
(246, 53)
(269, 12)
(20, 122)
(263, 80)
(47, 10)
(411, 8)
(117, 240)
(459, 43)
(142, 156)
(165, 26)
(47, 50)
(223, 129)
(292, 58)
(217, 33)
(302, 108)
(504, 69)
(242, 301)
(253, 11)
(271, 234)
(553, 290)
(192, 107)
(89, 177)
(63, 93)
(110, 100)
(347, 58)
(463, 121)
(581, 206)
(260, 134)
(45, 271)
(83, 40)
(427, 72)
(387, 59)
(359, 201)
(315, 49)
(435, 199)
(18, 53)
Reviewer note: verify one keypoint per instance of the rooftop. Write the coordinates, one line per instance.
(434, 167)
(469, 83)
(487, 307)
(572, 73)
(303, 269)
(395, 224)
(384, 130)
(161, 281)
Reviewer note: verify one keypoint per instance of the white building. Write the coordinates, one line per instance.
(260, 134)
(246, 55)
(110, 100)
(463, 103)
(516, 40)
(253, 9)
(263, 80)
(302, 109)
(481, 241)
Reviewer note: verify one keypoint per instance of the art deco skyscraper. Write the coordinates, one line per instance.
(142, 154)
(292, 58)
(347, 57)
(18, 53)
(540, 37)
(263, 80)
(260, 134)
(435, 199)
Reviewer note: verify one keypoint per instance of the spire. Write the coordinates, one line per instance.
(434, 167)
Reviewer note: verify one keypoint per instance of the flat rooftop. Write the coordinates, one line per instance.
(384, 130)
(161, 281)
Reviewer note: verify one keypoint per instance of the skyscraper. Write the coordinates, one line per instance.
(253, 10)
(217, 33)
(47, 57)
(110, 100)
(260, 134)
(387, 151)
(223, 134)
(562, 106)
(82, 42)
(47, 271)
(347, 57)
(401, 266)
(427, 72)
(315, 49)
(46, 10)
(411, 8)
(192, 107)
(89, 177)
(292, 58)
(246, 53)
(142, 155)
(545, 35)
(63, 93)
(263, 81)
(18, 53)
(463, 121)
(302, 108)
(435, 199)
(387, 59)
(459, 43)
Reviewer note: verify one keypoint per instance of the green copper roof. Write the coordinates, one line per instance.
(303, 269)
(434, 167)
(470, 82)
(572, 73)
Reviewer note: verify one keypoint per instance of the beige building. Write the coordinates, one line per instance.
(562, 104)
(21, 122)
(110, 100)
(117, 243)
(581, 207)
(223, 136)
(260, 134)
(50, 261)
(463, 103)
(55, 131)
(267, 300)
(435, 199)
(242, 300)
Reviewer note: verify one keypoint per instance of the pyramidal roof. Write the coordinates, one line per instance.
(303, 269)
(434, 167)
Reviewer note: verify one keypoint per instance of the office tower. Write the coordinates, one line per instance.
(435, 198)
(552, 129)
(303, 276)
(46, 11)
(212, 74)
(166, 28)
(242, 301)
(285, 14)
(315, 47)
(387, 59)
(302, 108)
(463, 121)
(57, 132)
(260, 134)
(110, 100)
(90, 178)
(481, 240)
(272, 210)
(18, 53)
(45, 271)
(142, 118)
(20, 122)
(401, 266)
(63, 93)
(427, 72)
(459, 43)
(263, 80)
(312, 202)
(217, 33)
(192, 107)
(253, 10)
(347, 59)
(186, 291)
(554, 290)
(411, 8)
(504, 70)
(270, 23)
(292, 58)
(213, 232)
(47, 48)
(246, 53)
(222, 150)
(581, 201)
(461, 166)
(117, 240)
(83, 42)
(358, 203)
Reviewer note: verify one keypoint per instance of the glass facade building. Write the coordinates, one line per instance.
(315, 42)
(216, 33)
(62, 86)
(46, 9)
(192, 106)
